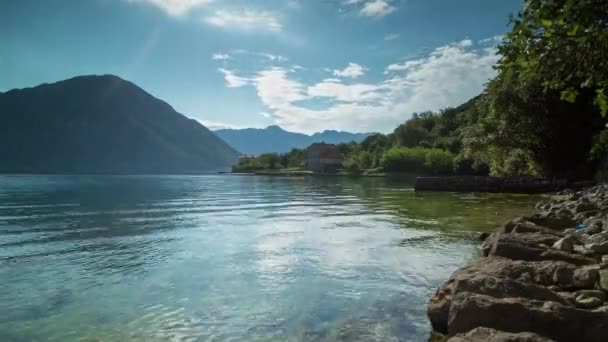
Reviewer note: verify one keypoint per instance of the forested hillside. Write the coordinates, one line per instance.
(543, 115)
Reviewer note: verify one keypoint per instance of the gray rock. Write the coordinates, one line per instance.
(598, 248)
(529, 247)
(576, 278)
(565, 244)
(497, 277)
(531, 239)
(570, 297)
(553, 320)
(482, 334)
(596, 223)
(570, 231)
(483, 236)
(588, 206)
(603, 280)
(591, 294)
(595, 238)
(587, 303)
(551, 221)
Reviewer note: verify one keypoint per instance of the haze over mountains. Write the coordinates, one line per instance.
(275, 139)
(102, 124)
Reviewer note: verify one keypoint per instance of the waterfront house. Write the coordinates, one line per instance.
(323, 158)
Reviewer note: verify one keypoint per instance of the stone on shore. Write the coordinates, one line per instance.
(490, 335)
(565, 244)
(543, 277)
(548, 319)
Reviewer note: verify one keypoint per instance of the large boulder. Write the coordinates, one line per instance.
(565, 244)
(521, 225)
(472, 281)
(530, 239)
(560, 220)
(482, 334)
(576, 278)
(598, 248)
(603, 280)
(530, 247)
(546, 318)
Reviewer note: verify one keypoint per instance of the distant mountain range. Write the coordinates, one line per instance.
(102, 124)
(276, 139)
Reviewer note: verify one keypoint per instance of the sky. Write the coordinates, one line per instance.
(306, 65)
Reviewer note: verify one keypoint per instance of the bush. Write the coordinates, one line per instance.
(267, 161)
(438, 161)
(418, 160)
(515, 162)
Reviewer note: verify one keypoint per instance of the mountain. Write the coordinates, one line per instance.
(276, 139)
(102, 124)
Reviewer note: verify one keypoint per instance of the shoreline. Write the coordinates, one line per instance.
(542, 277)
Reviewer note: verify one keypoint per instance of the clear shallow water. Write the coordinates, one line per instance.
(230, 258)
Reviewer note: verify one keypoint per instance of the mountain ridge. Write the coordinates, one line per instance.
(102, 124)
(274, 139)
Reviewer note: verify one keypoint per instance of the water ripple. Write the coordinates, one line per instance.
(229, 258)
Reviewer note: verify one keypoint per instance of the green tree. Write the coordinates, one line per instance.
(564, 43)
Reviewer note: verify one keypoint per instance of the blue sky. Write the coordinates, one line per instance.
(307, 65)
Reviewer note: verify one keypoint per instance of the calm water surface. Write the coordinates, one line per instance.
(230, 258)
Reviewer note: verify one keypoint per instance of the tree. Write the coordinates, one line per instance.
(565, 43)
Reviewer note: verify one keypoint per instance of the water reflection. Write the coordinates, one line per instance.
(229, 257)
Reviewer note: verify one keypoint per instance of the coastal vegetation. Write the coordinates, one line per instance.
(544, 114)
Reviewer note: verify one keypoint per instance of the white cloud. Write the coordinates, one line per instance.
(215, 125)
(355, 93)
(391, 36)
(492, 40)
(244, 20)
(377, 8)
(353, 70)
(373, 8)
(448, 76)
(272, 57)
(266, 115)
(220, 56)
(403, 66)
(232, 80)
(175, 7)
(294, 4)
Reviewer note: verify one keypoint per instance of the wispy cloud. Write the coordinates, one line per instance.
(447, 76)
(174, 7)
(272, 57)
(391, 36)
(266, 115)
(220, 56)
(245, 20)
(492, 40)
(353, 70)
(373, 8)
(215, 125)
(232, 80)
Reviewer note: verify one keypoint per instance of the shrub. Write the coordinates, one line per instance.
(438, 161)
(418, 160)
(515, 162)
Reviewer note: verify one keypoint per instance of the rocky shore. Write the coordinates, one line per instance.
(542, 278)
